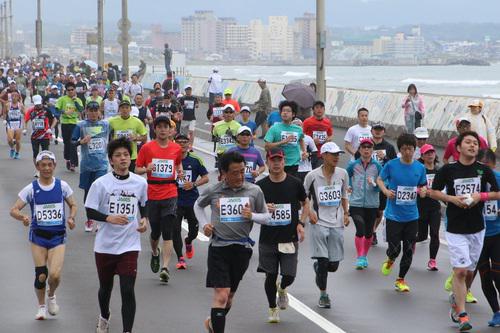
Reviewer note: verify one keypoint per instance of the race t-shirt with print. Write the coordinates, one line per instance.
(279, 132)
(193, 168)
(40, 122)
(67, 104)
(253, 160)
(356, 133)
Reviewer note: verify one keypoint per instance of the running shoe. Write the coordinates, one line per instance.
(155, 262)
(53, 307)
(89, 225)
(274, 316)
(56, 142)
(72, 168)
(324, 301)
(189, 250)
(401, 286)
(365, 262)
(387, 267)
(469, 298)
(12, 153)
(42, 313)
(431, 265)
(208, 325)
(448, 284)
(181, 264)
(282, 300)
(164, 275)
(453, 308)
(495, 321)
(359, 263)
(68, 165)
(17, 155)
(102, 325)
(464, 324)
(374, 239)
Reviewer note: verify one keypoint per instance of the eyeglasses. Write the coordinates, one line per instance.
(70, 89)
(182, 142)
(366, 147)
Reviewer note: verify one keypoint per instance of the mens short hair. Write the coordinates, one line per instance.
(229, 158)
(406, 139)
(115, 144)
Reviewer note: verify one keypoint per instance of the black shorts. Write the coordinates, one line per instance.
(227, 265)
(383, 201)
(272, 261)
(37, 143)
(162, 215)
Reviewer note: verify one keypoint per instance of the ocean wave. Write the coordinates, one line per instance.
(454, 82)
(296, 74)
(491, 95)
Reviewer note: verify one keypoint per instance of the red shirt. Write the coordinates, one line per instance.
(40, 122)
(233, 102)
(321, 129)
(165, 160)
(451, 149)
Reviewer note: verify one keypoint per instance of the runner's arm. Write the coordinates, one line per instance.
(200, 214)
(202, 181)
(349, 148)
(15, 211)
(305, 211)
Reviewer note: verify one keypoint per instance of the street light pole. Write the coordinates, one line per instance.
(320, 50)
(100, 34)
(6, 29)
(125, 26)
(2, 33)
(11, 34)
(38, 28)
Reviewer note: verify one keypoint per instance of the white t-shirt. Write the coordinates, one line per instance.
(357, 133)
(26, 194)
(215, 86)
(112, 196)
(305, 165)
(134, 89)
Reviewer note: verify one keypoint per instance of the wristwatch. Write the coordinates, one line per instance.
(302, 223)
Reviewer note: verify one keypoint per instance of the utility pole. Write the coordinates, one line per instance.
(320, 50)
(2, 33)
(100, 34)
(5, 30)
(11, 34)
(124, 38)
(38, 26)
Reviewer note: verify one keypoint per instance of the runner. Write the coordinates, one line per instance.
(235, 205)
(306, 165)
(42, 124)
(364, 200)
(245, 121)
(489, 260)
(161, 159)
(114, 200)
(135, 87)
(224, 132)
(215, 114)
(109, 106)
(46, 197)
(50, 102)
(253, 160)
(125, 126)
(228, 100)
(92, 135)
(14, 116)
(327, 186)
(195, 174)
(357, 133)
(406, 179)
(289, 137)
(70, 107)
(278, 241)
(429, 210)
(319, 128)
(466, 190)
(422, 134)
(189, 104)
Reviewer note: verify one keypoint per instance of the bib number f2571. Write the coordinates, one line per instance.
(490, 210)
(464, 186)
(406, 195)
(330, 195)
(121, 205)
(49, 214)
(282, 215)
(163, 168)
(231, 209)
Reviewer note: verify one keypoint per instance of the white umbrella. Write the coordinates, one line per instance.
(91, 63)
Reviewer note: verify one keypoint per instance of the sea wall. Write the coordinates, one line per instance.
(342, 105)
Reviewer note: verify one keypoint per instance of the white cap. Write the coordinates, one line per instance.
(37, 74)
(229, 106)
(421, 133)
(16, 70)
(459, 120)
(215, 69)
(243, 129)
(188, 86)
(11, 81)
(45, 154)
(54, 87)
(78, 74)
(245, 108)
(115, 83)
(37, 100)
(179, 95)
(297, 121)
(331, 147)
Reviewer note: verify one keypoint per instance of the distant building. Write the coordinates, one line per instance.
(305, 26)
(237, 41)
(78, 36)
(159, 38)
(199, 33)
(280, 39)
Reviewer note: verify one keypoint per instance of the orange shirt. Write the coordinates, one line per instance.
(233, 102)
(165, 160)
(318, 129)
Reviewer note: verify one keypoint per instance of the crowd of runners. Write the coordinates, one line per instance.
(138, 173)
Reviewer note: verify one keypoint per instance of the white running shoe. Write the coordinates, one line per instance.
(89, 225)
(53, 307)
(102, 325)
(42, 313)
(274, 316)
(282, 300)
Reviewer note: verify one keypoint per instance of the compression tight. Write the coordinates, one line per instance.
(271, 288)
(489, 270)
(323, 267)
(127, 284)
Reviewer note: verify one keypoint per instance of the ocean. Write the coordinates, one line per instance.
(479, 81)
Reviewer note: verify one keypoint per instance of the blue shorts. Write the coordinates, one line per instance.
(48, 243)
(88, 177)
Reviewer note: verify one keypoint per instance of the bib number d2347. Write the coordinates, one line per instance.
(231, 209)
(406, 195)
(330, 195)
(49, 214)
(282, 215)
(121, 205)
(464, 186)
(163, 168)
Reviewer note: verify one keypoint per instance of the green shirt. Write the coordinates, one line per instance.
(225, 133)
(66, 103)
(90, 99)
(279, 132)
(126, 127)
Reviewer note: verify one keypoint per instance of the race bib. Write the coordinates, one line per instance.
(162, 168)
(286, 134)
(282, 215)
(38, 124)
(490, 210)
(218, 112)
(231, 209)
(406, 195)
(330, 195)
(123, 134)
(96, 145)
(14, 114)
(49, 214)
(187, 177)
(189, 105)
(465, 186)
(375, 155)
(121, 205)
(430, 180)
(52, 101)
(226, 140)
(79, 90)
(14, 124)
(320, 135)
(249, 167)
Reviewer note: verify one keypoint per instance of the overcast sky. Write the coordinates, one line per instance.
(338, 12)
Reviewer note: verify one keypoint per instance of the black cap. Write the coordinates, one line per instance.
(181, 136)
(319, 103)
(161, 119)
(378, 124)
(275, 152)
(124, 102)
(92, 105)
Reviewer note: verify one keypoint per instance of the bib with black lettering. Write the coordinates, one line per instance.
(231, 209)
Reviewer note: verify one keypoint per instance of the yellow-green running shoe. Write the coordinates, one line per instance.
(387, 267)
(470, 298)
(401, 286)
(448, 283)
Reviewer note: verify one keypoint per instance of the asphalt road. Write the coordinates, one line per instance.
(362, 301)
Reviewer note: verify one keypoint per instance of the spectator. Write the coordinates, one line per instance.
(414, 109)
(481, 124)
(263, 107)
(215, 85)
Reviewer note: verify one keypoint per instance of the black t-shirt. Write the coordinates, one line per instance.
(290, 191)
(464, 179)
(427, 203)
(188, 104)
(81, 88)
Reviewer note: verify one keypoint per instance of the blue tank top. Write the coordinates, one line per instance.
(47, 208)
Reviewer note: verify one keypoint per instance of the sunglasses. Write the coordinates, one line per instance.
(245, 134)
(366, 147)
(228, 111)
